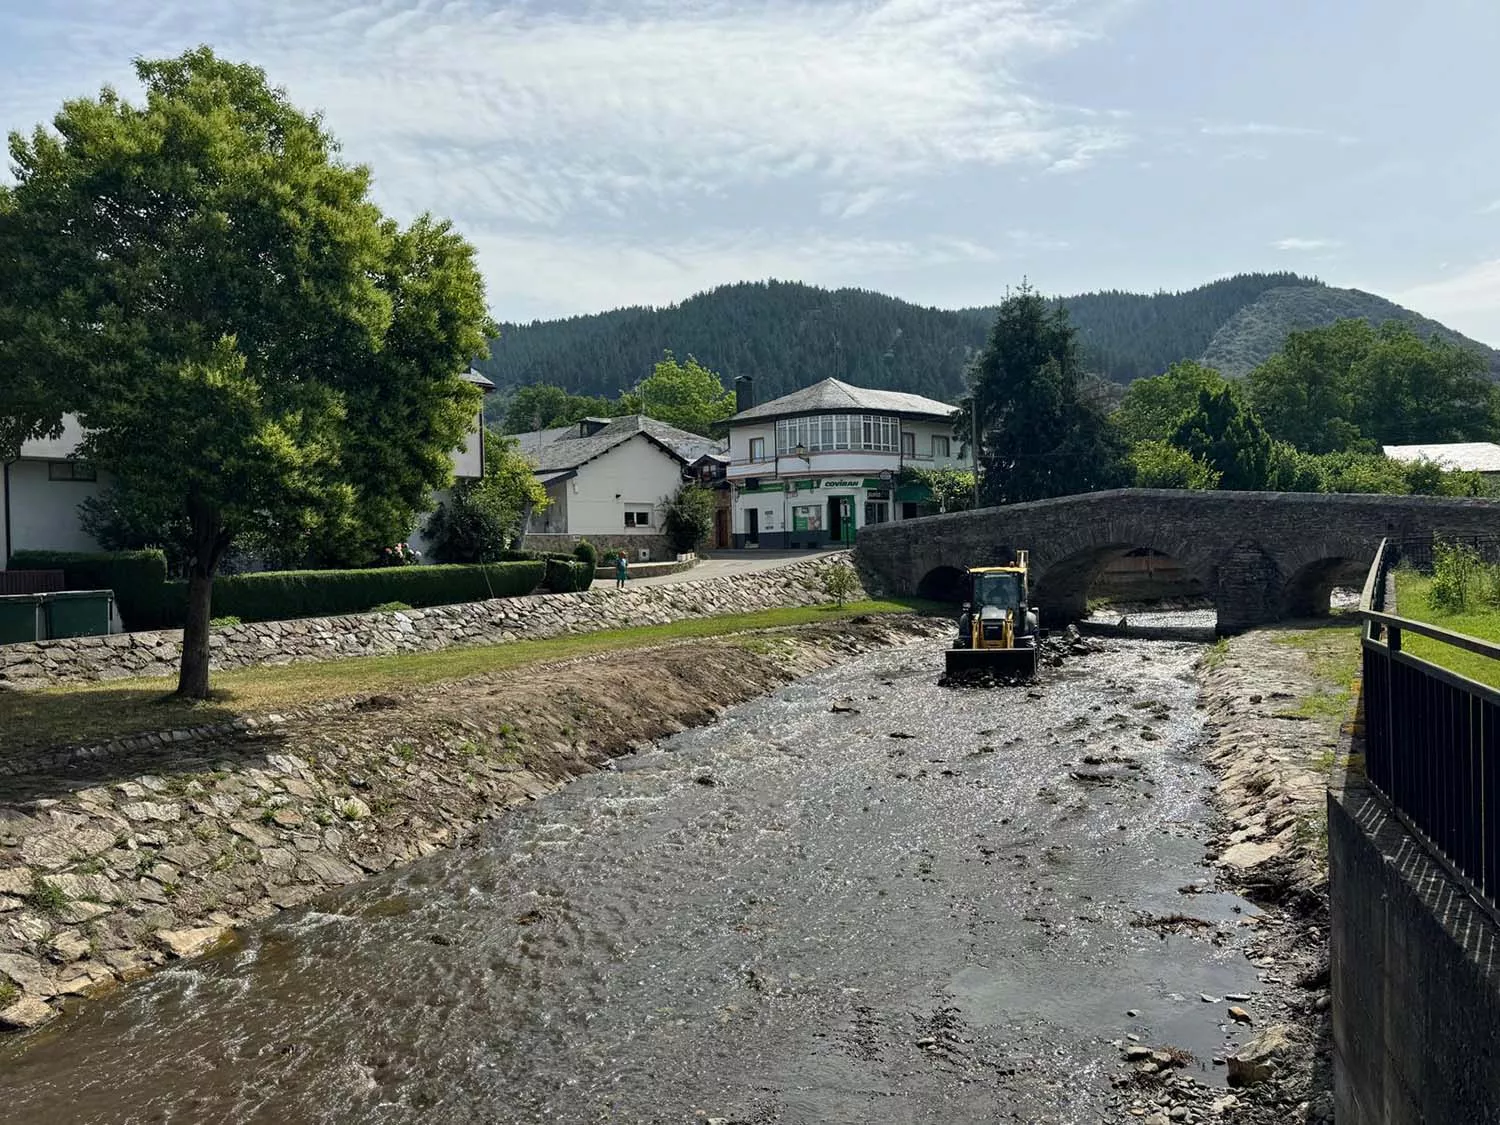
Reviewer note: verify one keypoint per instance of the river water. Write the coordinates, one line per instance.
(918, 906)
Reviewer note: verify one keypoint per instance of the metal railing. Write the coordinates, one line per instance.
(1432, 736)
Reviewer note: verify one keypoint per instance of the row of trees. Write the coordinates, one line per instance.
(681, 393)
(1311, 419)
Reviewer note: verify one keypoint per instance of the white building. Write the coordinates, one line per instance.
(813, 467)
(1462, 456)
(607, 479)
(40, 491)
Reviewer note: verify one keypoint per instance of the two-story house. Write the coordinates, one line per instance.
(811, 468)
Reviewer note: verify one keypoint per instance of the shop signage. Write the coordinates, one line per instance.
(845, 483)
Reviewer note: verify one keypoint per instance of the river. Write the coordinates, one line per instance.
(863, 898)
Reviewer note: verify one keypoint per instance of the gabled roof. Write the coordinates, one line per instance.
(567, 448)
(1467, 456)
(472, 376)
(834, 394)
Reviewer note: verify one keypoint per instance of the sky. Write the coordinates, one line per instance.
(639, 151)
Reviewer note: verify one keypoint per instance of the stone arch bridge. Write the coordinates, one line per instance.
(1261, 556)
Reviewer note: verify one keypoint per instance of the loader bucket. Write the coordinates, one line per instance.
(997, 663)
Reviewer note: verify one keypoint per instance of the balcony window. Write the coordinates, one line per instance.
(822, 433)
(757, 449)
(908, 445)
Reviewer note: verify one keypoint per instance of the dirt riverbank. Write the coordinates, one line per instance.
(111, 866)
(1275, 703)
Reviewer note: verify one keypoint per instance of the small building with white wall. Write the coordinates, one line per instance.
(40, 491)
(607, 480)
(811, 468)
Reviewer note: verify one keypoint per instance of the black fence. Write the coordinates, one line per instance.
(1432, 736)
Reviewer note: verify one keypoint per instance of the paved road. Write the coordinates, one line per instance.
(723, 564)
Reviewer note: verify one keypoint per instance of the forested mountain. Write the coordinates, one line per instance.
(787, 335)
(1255, 332)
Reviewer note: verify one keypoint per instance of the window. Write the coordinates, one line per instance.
(940, 446)
(71, 470)
(637, 517)
(824, 432)
(876, 511)
(908, 445)
(757, 449)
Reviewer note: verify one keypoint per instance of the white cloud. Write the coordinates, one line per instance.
(630, 119)
(1305, 244)
(1468, 301)
(1258, 129)
(1490, 208)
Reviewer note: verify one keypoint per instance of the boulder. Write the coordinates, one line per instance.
(26, 1013)
(1256, 1061)
(190, 943)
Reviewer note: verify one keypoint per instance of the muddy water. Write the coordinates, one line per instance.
(793, 915)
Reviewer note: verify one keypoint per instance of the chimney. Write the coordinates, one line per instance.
(744, 394)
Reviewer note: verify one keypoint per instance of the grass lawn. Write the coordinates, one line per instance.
(73, 713)
(1478, 621)
(1333, 651)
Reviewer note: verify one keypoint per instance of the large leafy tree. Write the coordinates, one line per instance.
(1160, 464)
(683, 394)
(1152, 408)
(481, 518)
(1223, 435)
(244, 338)
(1039, 435)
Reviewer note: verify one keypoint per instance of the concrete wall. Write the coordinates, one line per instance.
(497, 621)
(1416, 977)
(1259, 555)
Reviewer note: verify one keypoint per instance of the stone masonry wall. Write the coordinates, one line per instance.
(83, 659)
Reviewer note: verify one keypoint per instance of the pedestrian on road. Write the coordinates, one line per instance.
(621, 571)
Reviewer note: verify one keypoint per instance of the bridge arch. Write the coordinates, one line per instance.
(1061, 583)
(1311, 574)
(944, 583)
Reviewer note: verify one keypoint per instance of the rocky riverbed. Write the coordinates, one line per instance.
(1273, 731)
(112, 866)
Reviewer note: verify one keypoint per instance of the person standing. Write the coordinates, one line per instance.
(621, 571)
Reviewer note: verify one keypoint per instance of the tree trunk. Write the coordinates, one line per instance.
(192, 678)
(209, 544)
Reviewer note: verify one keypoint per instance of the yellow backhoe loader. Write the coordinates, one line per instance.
(997, 633)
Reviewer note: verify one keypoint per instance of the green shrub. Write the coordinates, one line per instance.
(1455, 568)
(588, 553)
(390, 607)
(136, 577)
(221, 622)
(282, 594)
(566, 575)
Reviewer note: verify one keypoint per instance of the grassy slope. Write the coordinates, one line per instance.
(81, 713)
(1481, 621)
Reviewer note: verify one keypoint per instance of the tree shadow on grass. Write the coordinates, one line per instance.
(51, 773)
(53, 742)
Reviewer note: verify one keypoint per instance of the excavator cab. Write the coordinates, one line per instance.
(997, 633)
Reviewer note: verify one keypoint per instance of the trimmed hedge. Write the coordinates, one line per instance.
(568, 575)
(138, 579)
(284, 594)
(585, 551)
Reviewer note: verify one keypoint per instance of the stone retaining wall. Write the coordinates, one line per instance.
(83, 659)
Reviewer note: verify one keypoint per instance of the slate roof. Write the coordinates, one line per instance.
(472, 376)
(563, 447)
(834, 394)
(1469, 456)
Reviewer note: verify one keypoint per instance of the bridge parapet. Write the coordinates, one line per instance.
(1261, 556)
